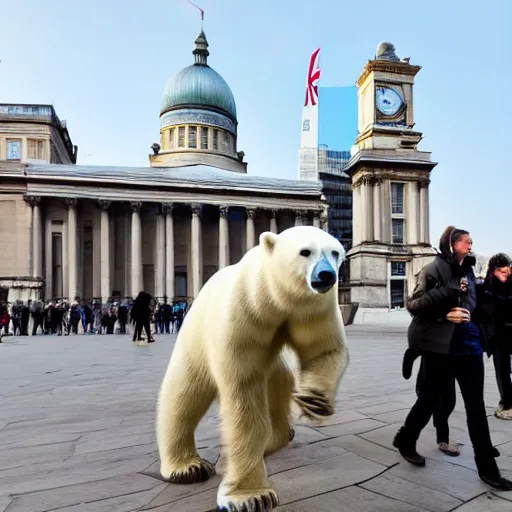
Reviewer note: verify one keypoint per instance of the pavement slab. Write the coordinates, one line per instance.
(77, 434)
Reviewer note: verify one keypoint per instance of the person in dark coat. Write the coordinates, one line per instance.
(496, 314)
(141, 314)
(443, 331)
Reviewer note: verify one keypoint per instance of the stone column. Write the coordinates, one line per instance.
(250, 233)
(366, 209)
(160, 257)
(273, 221)
(137, 283)
(72, 245)
(195, 247)
(223, 237)
(169, 252)
(105, 288)
(65, 261)
(356, 213)
(412, 211)
(386, 212)
(377, 213)
(298, 218)
(37, 253)
(48, 259)
(424, 213)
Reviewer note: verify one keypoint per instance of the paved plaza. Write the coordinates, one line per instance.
(77, 435)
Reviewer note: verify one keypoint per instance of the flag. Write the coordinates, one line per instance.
(312, 80)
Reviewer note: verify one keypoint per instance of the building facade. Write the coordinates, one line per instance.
(72, 231)
(390, 182)
(34, 133)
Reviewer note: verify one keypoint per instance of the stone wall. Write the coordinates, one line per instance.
(15, 239)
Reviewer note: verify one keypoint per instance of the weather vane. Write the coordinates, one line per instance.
(200, 10)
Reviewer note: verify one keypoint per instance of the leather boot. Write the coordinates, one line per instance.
(407, 448)
(489, 473)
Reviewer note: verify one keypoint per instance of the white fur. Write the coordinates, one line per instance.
(230, 347)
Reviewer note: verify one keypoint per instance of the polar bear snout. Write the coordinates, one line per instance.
(323, 276)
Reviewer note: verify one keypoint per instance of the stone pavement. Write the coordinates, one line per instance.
(77, 435)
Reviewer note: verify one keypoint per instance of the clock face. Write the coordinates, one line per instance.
(389, 101)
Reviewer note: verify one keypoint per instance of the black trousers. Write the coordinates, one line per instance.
(139, 324)
(444, 406)
(468, 371)
(502, 366)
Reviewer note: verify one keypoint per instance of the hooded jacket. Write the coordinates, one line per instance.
(436, 293)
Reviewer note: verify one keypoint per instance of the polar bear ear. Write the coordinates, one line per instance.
(268, 240)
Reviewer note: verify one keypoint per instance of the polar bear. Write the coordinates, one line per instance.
(283, 292)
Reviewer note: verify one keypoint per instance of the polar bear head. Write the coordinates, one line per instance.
(304, 259)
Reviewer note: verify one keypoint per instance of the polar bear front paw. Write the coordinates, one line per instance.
(257, 500)
(198, 470)
(313, 403)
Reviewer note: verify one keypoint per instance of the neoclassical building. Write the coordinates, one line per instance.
(73, 231)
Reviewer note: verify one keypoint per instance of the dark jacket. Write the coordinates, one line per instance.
(494, 311)
(436, 293)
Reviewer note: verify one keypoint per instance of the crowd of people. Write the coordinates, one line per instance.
(456, 319)
(62, 317)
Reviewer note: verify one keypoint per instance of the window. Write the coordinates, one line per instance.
(398, 269)
(225, 142)
(192, 136)
(181, 137)
(397, 284)
(14, 150)
(397, 289)
(398, 213)
(215, 140)
(398, 231)
(204, 138)
(397, 198)
(171, 138)
(36, 149)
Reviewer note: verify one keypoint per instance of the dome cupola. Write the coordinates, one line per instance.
(199, 85)
(198, 116)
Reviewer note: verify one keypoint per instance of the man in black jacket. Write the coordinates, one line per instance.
(443, 331)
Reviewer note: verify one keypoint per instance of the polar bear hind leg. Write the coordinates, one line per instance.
(246, 428)
(185, 396)
(280, 386)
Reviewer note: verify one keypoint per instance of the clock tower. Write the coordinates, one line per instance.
(390, 180)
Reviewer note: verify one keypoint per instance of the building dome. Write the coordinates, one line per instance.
(198, 122)
(198, 85)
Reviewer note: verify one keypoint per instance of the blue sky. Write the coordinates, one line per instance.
(104, 65)
(337, 112)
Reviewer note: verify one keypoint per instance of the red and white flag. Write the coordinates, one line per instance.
(312, 80)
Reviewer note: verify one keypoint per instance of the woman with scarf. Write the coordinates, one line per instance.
(496, 312)
(443, 331)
